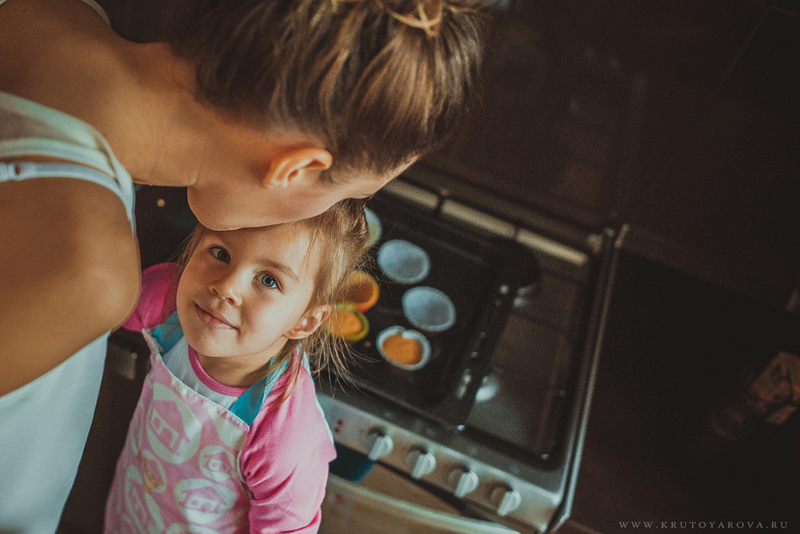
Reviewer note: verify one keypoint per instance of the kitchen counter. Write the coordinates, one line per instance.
(722, 201)
(678, 119)
(674, 344)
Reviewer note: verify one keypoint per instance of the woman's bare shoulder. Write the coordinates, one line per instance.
(51, 39)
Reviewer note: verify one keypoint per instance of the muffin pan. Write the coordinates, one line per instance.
(473, 280)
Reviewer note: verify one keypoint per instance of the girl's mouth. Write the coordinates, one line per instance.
(213, 320)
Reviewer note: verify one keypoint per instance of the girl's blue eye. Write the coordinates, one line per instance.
(267, 281)
(221, 254)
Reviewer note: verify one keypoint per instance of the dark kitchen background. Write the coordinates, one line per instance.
(677, 123)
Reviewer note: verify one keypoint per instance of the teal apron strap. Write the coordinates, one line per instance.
(168, 333)
(249, 404)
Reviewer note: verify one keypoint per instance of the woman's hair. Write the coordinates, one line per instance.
(338, 236)
(379, 82)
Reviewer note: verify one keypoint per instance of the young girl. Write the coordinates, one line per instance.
(227, 436)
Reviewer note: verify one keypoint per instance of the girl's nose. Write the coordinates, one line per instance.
(229, 287)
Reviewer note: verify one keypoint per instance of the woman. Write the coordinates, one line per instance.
(266, 111)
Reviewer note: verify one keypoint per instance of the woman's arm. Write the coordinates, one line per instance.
(69, 272)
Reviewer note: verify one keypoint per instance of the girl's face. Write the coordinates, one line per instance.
(244, 293)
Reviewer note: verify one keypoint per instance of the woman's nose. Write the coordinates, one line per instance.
(229, 287)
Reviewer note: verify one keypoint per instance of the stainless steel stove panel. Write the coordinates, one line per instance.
(503, 486)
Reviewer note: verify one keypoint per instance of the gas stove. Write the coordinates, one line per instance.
(511, 452)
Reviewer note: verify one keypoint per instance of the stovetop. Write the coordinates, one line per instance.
(515, 456)
(479, 274)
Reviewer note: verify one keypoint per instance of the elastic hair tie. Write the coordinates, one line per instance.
(429, 24)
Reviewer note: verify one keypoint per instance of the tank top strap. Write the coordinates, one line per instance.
(100, 11)
(26, 170)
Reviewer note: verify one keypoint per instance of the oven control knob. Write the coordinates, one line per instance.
(505, 499)
(378, 445)
(420, 462)
(463, 480)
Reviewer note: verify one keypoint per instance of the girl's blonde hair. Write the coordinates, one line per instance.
(338, 236)
(379, 82)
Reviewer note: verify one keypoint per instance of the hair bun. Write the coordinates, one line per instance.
(379, 83)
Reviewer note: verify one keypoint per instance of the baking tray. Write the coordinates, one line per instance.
(480, 274)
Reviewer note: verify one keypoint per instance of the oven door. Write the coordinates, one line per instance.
(387, 503)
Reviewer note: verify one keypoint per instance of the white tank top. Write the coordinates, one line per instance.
(44, 424)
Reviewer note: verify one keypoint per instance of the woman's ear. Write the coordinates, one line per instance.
(297, 165)
(309, 323)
